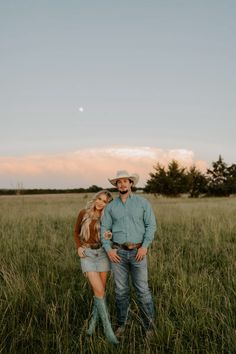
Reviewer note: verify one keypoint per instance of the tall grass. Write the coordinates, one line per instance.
(45, 300)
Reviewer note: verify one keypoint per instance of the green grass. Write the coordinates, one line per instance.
(45, 300)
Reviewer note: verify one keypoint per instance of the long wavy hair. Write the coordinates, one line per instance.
(90, 214)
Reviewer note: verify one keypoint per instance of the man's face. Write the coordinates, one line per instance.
(124, 185)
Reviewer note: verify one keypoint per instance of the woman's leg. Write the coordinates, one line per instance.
(101, 306)
(103, 276)
(97, 282)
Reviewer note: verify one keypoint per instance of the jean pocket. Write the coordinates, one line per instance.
(86, 252)
(119, 251)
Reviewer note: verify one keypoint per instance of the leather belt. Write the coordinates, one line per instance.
(128, 246)
(93, 246)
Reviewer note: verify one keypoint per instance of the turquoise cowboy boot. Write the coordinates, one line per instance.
(103, 314)
(94, 319)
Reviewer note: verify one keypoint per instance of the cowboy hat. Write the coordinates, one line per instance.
(124, 174)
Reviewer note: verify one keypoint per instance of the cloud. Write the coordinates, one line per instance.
(86, 167)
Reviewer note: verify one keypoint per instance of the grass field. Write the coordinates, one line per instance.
(45, 300)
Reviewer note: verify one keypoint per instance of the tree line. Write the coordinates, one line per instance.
(219, 180)
(24, 191)
(20, 190)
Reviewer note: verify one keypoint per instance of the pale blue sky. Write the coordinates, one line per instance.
(147, 73)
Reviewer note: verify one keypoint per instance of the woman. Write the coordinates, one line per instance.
(94, 262)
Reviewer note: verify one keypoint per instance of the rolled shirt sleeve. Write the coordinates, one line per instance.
(106, 224)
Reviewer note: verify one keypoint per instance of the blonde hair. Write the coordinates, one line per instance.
(90, 215)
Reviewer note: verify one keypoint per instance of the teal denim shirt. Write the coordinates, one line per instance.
(132, 221)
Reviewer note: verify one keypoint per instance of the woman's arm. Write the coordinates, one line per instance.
(77, 228)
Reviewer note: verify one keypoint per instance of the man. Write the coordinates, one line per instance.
(131, 220)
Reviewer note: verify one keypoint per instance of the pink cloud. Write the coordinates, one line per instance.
(87, 166)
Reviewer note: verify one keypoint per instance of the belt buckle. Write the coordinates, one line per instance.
(129, 245)
(95, 247)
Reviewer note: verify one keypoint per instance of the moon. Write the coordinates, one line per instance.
(81, 109)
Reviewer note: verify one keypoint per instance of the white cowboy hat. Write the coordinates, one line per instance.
(124, 174)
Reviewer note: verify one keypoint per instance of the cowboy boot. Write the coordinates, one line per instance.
(93, 320)
(103, 314)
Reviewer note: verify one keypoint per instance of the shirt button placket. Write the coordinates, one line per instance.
(126, 223)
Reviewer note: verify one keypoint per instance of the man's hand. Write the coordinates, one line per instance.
(113, 256)
(142, 251)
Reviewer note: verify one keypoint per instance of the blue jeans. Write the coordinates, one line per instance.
(128, 266)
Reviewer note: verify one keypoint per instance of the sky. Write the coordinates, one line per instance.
(91, 87)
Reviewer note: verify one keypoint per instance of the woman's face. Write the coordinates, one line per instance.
(101, 202)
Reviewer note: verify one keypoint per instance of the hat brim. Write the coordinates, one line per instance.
(133, 178)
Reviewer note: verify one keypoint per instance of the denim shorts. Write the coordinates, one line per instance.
(95, 261)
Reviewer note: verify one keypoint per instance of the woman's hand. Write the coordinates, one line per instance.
(81, 252)
(107, 235)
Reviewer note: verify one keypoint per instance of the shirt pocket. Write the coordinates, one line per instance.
(118, 224)
(137, 215)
